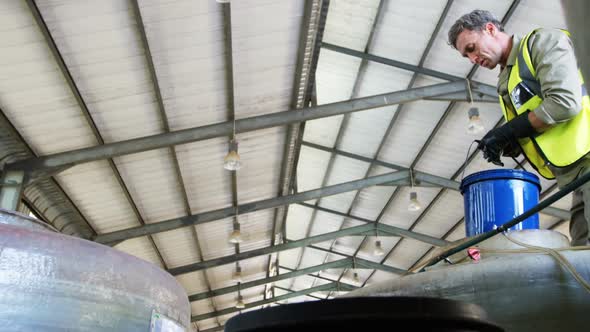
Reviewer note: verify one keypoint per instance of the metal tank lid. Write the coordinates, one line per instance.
(500, 174)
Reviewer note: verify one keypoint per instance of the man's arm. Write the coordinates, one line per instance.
(554, 60)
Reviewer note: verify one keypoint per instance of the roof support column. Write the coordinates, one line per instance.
(11, 189)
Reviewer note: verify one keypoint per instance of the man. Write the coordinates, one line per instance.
(543, 100)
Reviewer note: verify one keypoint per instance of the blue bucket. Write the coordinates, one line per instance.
(497, 196)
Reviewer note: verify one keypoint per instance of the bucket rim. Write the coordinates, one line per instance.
(500, 174)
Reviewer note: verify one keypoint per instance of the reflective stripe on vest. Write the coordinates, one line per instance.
(561, 145)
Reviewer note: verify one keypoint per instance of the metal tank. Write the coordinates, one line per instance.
(54, 282)
(520, 288)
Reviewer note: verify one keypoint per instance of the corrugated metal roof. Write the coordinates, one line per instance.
(103, 48)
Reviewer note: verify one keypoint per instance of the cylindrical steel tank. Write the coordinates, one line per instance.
(54, 282)
(494, 197)
(366, 314)
(525, 291)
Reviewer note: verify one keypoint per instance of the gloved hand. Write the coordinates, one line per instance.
(512, 150)
(498, 140)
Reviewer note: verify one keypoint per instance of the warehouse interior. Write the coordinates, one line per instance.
(349, 119)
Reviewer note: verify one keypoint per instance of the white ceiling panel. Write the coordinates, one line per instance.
(217, 232)
(119, 94)
(261, 154)
(344, 170)
(153, 185)
(405, 29)
(325, 222)
(297, 223)
(397, 213)
(85, 183)
(33, 92)
(411, 130)
(264, 55)
(207, 183)
(289, 258)
(371, 201)
(407, 253)
(193, 282)
(140, 247)
(443, 215)
(187, 45)
(178, 247)
(256, 228)
(311, 168)
(365, 131)
(349, 22)
(444, 57)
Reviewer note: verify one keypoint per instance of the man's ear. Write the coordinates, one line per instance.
(491, 28)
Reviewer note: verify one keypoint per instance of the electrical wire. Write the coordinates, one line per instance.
(467, 157)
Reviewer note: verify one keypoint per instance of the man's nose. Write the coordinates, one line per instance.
(472, 58)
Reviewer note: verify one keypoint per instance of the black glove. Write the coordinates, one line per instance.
(498, 140)
(512, 150)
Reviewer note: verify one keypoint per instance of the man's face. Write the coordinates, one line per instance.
(481, 47)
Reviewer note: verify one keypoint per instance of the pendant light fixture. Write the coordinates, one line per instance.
(237, 276)
(240, 303)
(355, 276)
(378, 251)
(414, 203)
(236, 234)
(475, 126)
(232, 162)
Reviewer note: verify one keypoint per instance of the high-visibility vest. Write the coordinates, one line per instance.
(564, 143)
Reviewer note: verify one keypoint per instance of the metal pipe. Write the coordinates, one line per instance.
(484, 236)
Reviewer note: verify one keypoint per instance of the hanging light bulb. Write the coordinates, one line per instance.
(231, 162)
(378, 251)
(475, 126)
(237, 276)
(236, 234)
(414, 203)
(356, 278)
(240, 304)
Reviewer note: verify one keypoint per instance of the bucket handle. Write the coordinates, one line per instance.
(467, 157)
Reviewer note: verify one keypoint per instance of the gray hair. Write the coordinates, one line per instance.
(476, 20)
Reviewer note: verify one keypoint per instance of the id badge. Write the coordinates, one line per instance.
(520, 95)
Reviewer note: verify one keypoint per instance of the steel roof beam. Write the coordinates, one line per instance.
(342, 263)
(383, 227)
(282, 247)
(162, 140)
(292, 291)
(321, 288)
(311, 35)
(166, 128)
(246, 208)
(477, 87)
(421, 177)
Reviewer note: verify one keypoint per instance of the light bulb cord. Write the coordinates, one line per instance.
(469, 90)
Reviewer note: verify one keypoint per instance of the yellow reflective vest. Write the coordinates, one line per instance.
(564, 143)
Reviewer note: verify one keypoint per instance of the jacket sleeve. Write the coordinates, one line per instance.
(554, 60)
